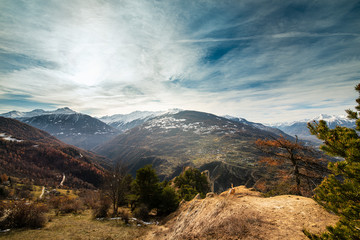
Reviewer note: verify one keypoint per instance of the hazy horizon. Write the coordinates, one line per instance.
(264, 61)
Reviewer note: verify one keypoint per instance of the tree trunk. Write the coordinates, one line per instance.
(297, 179)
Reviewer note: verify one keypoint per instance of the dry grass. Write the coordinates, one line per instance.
(244, 215)
(243, 224)
(78, 227)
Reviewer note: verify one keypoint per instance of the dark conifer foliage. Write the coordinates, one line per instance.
(192, 182)
(340, 192)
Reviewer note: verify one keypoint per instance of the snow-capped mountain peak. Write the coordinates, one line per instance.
(300, 128)
(331, 118)
(12, 114)
(253, 124)
(137, 115)
(126, 118)
(37, 112)
(64, 110)
(325, 117)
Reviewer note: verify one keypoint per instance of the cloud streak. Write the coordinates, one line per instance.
(264, 61)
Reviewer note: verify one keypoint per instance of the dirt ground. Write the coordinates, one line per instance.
(244, 215)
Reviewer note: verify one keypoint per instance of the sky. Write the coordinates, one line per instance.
(266, 61)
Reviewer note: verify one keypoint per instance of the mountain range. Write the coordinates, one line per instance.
(172, 141)
(299, 128)
(169, 140)
(74, 128)
(27, 152)
(36, 112)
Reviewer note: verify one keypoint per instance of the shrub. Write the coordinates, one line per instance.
(3, 178)
(4, 193)
(141, 212)
(72, 206)
(89, 198)
(24, 191)
(187, 192)
(65, 204)
(169, 200)
(2, 209)
(192, 182)
(102, 209)
(23, 215)
(280, 188)
(125, 215)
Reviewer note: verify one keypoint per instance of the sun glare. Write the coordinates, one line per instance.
(90, 73)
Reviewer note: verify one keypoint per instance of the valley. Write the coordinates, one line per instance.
(169, 140)
(223, 149)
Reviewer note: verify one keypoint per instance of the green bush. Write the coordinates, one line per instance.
(187, 192)
(192, 182)
(169, 200)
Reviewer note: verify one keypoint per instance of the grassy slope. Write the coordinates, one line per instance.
(244, 215)
(78, 227)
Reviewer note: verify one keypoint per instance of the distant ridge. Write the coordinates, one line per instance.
(76, 129)
(27, 152)
(300, 129)
(189, 138)
(37, 112)
(124, 122)
(69, 126)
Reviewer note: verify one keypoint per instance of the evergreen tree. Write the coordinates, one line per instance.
(192, 182)
(169, 200)
(146, 186)
(149, 192)
(340, 192)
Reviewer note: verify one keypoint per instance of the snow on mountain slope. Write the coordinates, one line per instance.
(190, 138)
(330, 119)
(36, 112)
(125, 122)
(126, 118)
(77, 129)
(6, 137)
(300, 129)
(256, 125)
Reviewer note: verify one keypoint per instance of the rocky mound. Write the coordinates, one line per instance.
(244, 215)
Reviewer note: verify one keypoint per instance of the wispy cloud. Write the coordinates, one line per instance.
(266, 61)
